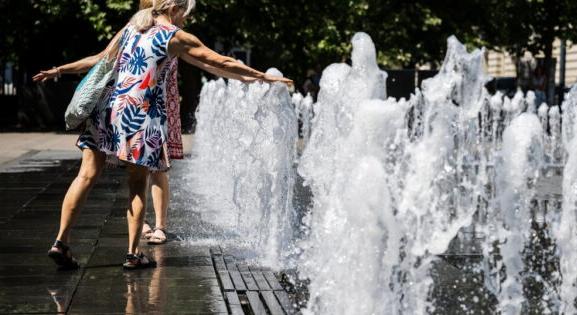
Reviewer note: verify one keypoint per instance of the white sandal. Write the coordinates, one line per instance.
(158, 237)
(147, 231)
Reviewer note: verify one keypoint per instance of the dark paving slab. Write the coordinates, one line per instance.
(31, 192)
(36, 300)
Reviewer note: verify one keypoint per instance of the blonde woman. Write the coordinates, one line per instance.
(159, 181)
(131, 126)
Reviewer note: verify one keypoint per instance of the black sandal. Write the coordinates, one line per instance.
(62, 257)
(139, 261)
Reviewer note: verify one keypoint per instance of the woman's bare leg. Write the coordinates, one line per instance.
(90, 170)
(160, 197)
(137, 185)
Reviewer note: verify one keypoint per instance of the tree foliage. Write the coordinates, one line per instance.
(40, 33)
(295, 35)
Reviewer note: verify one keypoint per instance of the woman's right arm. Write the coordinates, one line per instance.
(192, 50)
(79, 66)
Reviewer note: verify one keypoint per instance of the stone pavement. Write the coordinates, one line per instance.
(14, 145)
(189, 279)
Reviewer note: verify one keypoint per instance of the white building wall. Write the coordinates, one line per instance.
(501, 64)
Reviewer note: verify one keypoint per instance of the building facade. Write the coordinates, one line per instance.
(501, 64)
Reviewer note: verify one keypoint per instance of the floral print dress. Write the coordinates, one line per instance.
(131, 124)
(175, 148)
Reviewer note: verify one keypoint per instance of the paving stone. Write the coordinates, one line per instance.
(185, 281)
(36, 259)
(7, 235)
(108, 276)
(134, 305)
(56, 280)
(52, 301)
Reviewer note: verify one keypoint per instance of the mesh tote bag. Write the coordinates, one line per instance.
(94, 88)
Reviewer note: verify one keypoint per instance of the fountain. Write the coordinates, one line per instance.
(242, 166)
(517, 172)
(427, 195)
(304, 110)
(458, 172)
(566, 224)
(400, 188)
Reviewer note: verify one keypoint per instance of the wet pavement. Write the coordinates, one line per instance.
(186, 280)
(190, 279)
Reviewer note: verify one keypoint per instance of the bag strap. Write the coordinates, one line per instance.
(113, 48)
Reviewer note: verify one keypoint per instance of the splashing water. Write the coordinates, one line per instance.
(242, 169)
(565, 226)
(517, 172)
(389, 200)
(417, 211)
(304, 107)
(396, 184)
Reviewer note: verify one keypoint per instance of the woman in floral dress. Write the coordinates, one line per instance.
(130, 127)
(159, 182)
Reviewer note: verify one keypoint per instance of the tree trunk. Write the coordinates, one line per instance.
(549, 71)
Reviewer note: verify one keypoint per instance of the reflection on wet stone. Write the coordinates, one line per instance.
(185, 281)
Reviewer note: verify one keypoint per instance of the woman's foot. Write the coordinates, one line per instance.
(59, 299)
(158, 237)
(139, 261)
(61, 255)
(146, 230)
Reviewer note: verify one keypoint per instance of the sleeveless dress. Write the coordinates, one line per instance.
(131, 124)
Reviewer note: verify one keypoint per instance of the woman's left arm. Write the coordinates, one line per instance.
(218, 72)
(192, 50)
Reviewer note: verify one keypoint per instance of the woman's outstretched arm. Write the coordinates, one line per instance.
(79, 66)
(220, 73)
(189, 48)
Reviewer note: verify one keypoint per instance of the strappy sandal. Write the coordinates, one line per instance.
(61, 255)
(146, 230)
(139, 261)
(158, 238)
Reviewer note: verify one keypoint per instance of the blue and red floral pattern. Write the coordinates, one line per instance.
(131, 124)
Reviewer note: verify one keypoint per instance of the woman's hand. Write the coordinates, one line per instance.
(271, 79)
(46, 75)
(246, 79)
(267, 78)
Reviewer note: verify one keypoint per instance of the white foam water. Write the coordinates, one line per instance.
(394, 182)
(242, 168)
(304, 110)
(556, 151)
(419, 164)
(565, 225)
(389, 200)
(517, 171)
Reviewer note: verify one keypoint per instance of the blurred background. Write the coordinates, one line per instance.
(529, 44)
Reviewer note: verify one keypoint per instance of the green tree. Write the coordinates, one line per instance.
(38, 33)
(295, 35)
(300, 34)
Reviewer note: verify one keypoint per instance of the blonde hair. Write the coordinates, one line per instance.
(143, 20)
(144, 4)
